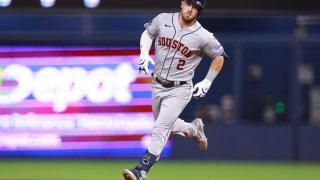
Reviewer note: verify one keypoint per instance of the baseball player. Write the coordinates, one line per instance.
(180, 43)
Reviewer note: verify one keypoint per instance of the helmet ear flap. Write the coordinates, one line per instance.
(199, 12)
(200, 4)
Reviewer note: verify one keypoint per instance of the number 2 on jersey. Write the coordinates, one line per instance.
(181, 63)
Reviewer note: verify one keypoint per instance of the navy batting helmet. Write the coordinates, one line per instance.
(199, 3)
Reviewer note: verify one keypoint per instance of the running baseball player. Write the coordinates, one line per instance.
(180, 43)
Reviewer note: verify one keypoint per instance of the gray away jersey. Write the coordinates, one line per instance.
(179, 51)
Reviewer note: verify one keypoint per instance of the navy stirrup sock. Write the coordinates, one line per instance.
(146, 162)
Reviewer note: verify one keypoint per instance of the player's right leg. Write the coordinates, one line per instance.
(166, 110)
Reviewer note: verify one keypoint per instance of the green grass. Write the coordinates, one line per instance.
(28, 169)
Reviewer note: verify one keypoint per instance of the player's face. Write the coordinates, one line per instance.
(189, 12)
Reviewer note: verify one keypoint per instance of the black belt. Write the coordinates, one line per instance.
(169, 84)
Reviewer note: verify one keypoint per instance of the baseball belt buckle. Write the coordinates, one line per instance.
(165, 83)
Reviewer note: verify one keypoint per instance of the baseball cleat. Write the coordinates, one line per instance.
(200, 137)
(133, 174)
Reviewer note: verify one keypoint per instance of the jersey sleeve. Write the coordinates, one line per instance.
(153, 26)
(212, 47)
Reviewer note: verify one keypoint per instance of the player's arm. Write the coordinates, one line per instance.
(145, 46)
(201, 88)
(215, 68)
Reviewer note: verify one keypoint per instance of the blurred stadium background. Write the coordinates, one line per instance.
(73, 106)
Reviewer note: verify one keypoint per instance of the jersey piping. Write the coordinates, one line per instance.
(165, 58)
(177, 49)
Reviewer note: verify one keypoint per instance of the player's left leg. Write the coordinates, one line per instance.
(192, 130)
(185, 129)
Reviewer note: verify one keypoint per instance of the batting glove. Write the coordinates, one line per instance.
(201, 89)
(145, 59)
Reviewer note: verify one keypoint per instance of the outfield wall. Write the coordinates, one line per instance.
(253, 142)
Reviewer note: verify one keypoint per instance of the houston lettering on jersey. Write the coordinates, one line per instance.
(168, 42)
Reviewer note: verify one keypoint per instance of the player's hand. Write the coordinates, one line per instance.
(201, 89)
(145, 59)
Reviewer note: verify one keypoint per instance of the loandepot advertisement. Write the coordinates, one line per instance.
(74, 102)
